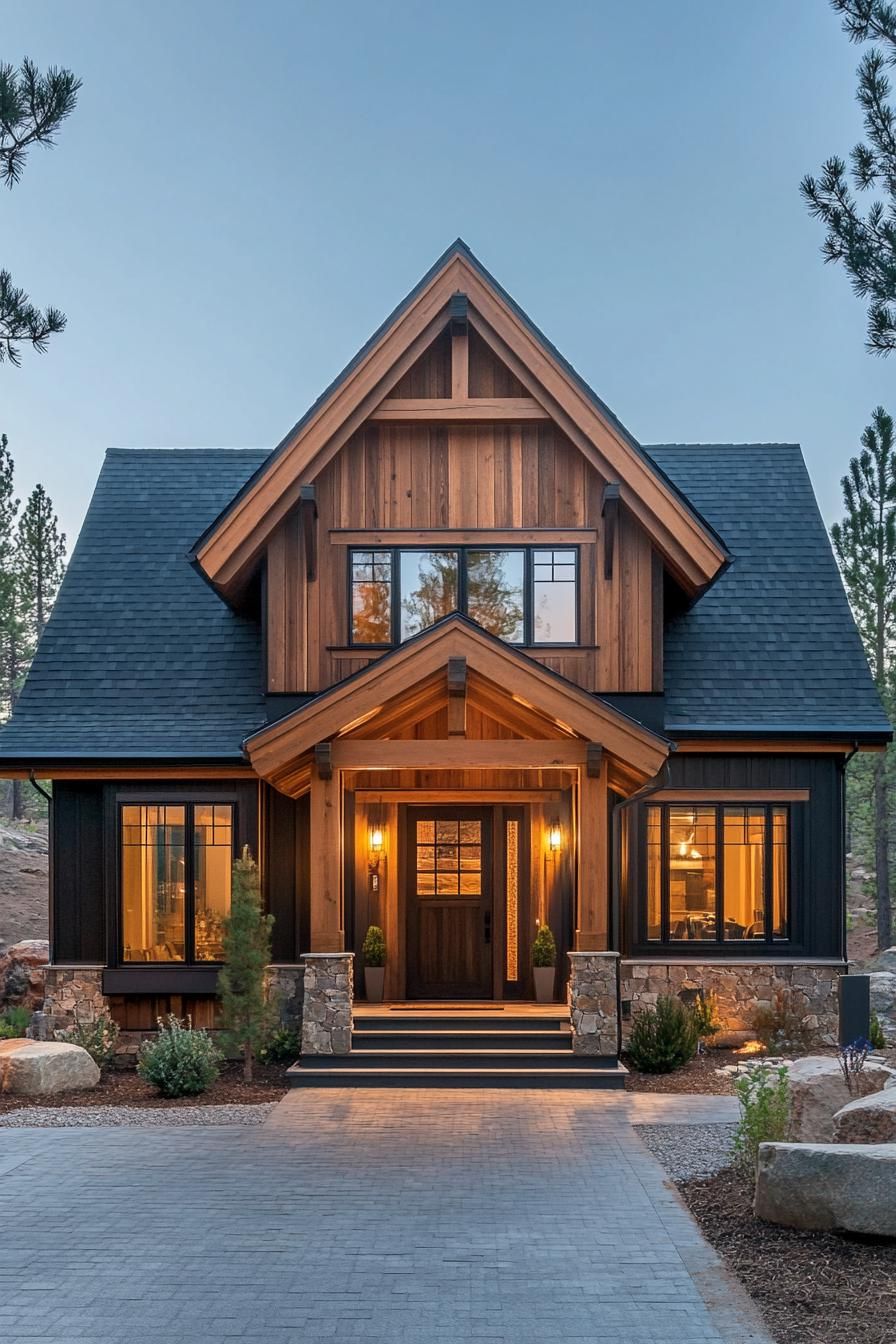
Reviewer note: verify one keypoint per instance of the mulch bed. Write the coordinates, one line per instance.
(812, 1287)
(125, 1088)
(697, 1076)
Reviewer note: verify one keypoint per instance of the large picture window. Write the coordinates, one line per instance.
(175, 880)
(716, 873)
(524, 594)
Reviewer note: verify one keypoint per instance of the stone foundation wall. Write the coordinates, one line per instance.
(593, 1008)
(327, 1005)
(740, 988)
(73, 993)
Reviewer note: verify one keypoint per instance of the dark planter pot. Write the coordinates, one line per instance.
(544, 983)
(373, 983)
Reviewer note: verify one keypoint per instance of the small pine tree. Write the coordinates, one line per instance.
(865, 544)
(246, 1013)
(41, 558)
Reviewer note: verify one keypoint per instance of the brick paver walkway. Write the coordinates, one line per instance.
(426, 1218)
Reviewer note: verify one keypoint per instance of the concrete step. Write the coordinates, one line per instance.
(501, 1058)
(461, 1040)
(482, 1021)
(612, 1078)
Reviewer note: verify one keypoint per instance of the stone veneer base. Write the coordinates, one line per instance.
(740, 988)
(593, 1002)
(327, 1006)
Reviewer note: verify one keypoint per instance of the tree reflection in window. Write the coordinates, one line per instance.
(428, 589)
(495, 592)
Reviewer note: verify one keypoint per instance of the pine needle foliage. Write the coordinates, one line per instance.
(544, 948)
(246, 1012)
(864, 239)
(33, 106)
(663, 1038)
(865, 546)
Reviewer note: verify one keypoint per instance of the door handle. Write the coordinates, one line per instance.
(487, 925)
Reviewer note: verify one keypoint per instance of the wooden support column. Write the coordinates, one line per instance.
(592, 867)
(460, 348)
(327, 923)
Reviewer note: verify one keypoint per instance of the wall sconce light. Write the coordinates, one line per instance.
(375, 854)
(555, 838)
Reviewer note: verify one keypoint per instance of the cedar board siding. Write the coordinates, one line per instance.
(426, 477)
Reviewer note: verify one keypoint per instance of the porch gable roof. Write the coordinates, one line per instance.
(541, 705)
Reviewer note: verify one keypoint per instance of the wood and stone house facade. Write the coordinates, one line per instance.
(458, 658)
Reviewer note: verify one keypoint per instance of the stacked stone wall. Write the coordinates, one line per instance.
(739, 988)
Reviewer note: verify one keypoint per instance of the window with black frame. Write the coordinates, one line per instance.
(176, 861)
(524, 595)
(716, 873)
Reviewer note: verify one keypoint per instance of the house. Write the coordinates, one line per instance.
(458, 658)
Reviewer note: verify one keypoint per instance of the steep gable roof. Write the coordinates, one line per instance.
(227, 551)
(140, 657)
(772, 646)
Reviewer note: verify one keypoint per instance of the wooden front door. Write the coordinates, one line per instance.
(449, 902)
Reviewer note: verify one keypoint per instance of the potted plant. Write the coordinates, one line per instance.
(544, 961)
(374, 954)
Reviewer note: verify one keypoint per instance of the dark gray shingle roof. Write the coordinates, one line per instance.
(141, 658)
(772, 644)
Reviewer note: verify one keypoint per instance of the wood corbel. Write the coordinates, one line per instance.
(457, 697)
(308, 514)
(594, 760)
(610, 513)
(460, 347)
(323, 760)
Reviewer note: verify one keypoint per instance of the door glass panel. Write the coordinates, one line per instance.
(153, 872)
(445, 867)
(654, 873)
(428, 589)
(212, 863)
(692, 873)
(512, 883)
(495, 592)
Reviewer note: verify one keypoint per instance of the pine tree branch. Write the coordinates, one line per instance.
(32, 108)
(21, 322)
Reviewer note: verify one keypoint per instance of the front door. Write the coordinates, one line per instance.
(449, 902)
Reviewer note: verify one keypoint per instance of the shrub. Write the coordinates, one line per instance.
(876, 1033)
(247, 1014)
(781, 1026)
(180, 1062)
(13, 1022)
(98, 1037)
(284, 1043)
(706, 1015)
(764, 1098)
(544, 949)
(374, 949)
(663, 1038)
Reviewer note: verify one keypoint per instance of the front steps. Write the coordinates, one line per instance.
(443, 1049)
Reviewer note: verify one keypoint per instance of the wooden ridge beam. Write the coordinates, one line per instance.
(459, 407)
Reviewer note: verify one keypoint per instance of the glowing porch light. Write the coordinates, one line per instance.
(555, 837)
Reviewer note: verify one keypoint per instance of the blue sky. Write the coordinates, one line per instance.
(246, 190)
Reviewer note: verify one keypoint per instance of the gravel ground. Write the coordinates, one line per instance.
(83, 1117)
(689, 1151)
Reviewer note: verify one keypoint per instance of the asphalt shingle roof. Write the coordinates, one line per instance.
(140, 656)
(142, 659)
(772, 644)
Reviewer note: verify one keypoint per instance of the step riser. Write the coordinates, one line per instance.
(436, 1059)
(596, 1080)
(540, 1026)
(460, 1040)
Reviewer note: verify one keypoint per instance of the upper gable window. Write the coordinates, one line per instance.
(523, 594)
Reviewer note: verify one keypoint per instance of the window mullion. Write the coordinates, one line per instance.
(768, 873)
(189, 904)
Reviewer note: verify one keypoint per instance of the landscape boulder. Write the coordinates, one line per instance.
(885, 960)
(818, 1091)
(883, 1001)
(822, 1187)
(42, 1068)
(22, 973)
(867, 1119)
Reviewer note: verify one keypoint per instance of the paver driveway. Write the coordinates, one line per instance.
(375, 1215)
